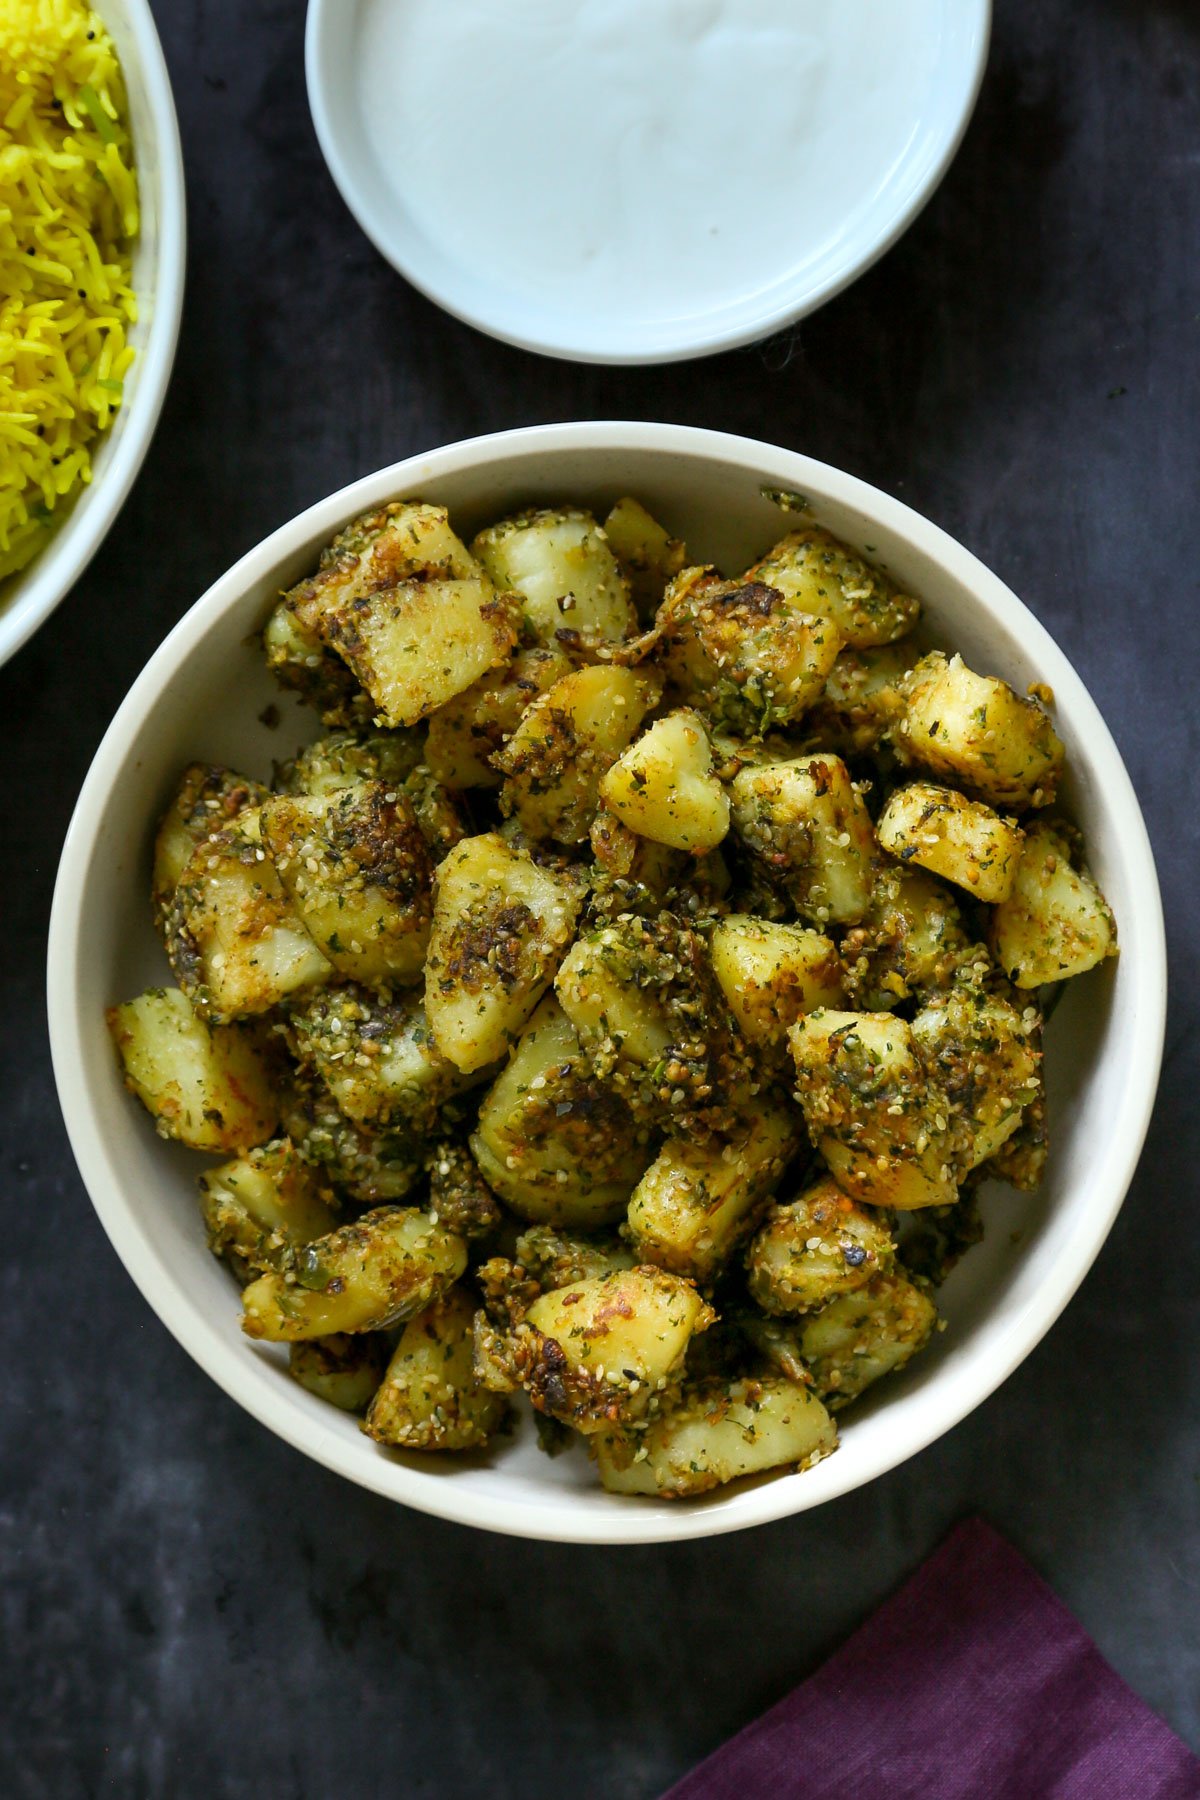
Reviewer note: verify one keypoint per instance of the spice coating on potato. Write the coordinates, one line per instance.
(364, 1276)
(501, 925)
(960, 839)
(975, 730)
(820, 574)
(211, 1086)
(742, 653)
(663, 786)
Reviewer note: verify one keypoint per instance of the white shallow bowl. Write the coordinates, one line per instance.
(29, 597)
(201, 696)
(623, 183)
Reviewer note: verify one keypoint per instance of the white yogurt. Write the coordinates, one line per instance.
(670, 155)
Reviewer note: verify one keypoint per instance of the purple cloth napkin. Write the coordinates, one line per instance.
(972, 1683)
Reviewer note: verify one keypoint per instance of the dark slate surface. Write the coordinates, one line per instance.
(188, 1607)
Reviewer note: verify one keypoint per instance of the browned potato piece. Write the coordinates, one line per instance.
(566, 742)
(417, 645)
(816, 1246)
(696, 1200)
(985, 1057)
(772, 973)
(974, 731)
(911, 938)
(862, 701)
(822, 575)
(355, 866)
(717, 1432)
(651, 1015)
(878, 1123)
(261, 1206)
(807, 825)
(864, 1335)
(429, 1398)
(236, 943)
(663, 787)
(500, 927)
(301, 663)
(377, 1058)
(386, 1266)
(211, 1086)
(208, 799)
(345, 1370)
(960, 839)
(559, 562)
(344, 758)
(600, 1352)
(742, 653)
(1055, 923)
(466, 733)
(552, 1141)
(647, 553)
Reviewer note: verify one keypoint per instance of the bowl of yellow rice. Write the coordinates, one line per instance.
(92, 250)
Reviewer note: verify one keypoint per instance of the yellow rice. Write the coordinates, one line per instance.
(68, 215)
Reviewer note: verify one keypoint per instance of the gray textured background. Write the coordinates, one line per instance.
(188, 1607)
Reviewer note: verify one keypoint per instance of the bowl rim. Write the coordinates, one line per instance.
(207, 1343)
(45, 582)
(752, 321)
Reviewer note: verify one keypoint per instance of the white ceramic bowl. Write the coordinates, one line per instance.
(29, 597)
(623, 183)
(201, 696)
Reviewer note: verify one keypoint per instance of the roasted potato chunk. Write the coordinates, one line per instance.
(960, 839)
(864, 1335)
(1055, 922)
(602, 1352)
(263, 1205)
(555, 1144)
(466, 733)
(559, 561)
(806, 823)
(822, 575)
(210, 1086)
(663, 786)
(815, 1247)
(301, 663)
(985, 1057)
(771, 973)
(696, 1201)
(862, 701)
(912, 937)
(235, 942)
(648, 555)
(376, 1057)
(417, 645)
(975, 731)
(565, 743)
(355, 865)
(880, 1126)
(643, 997)
(742, 653)
(500, 927)
(345, 758)
(717, 1432)
(345, 1370)
(208, 800)
(386, 1266)
(429, 1398)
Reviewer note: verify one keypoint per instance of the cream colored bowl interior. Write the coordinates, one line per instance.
(202, 695)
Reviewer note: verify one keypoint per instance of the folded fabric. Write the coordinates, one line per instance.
(974, 1682)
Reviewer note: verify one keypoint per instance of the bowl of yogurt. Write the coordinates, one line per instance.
(622, 183)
